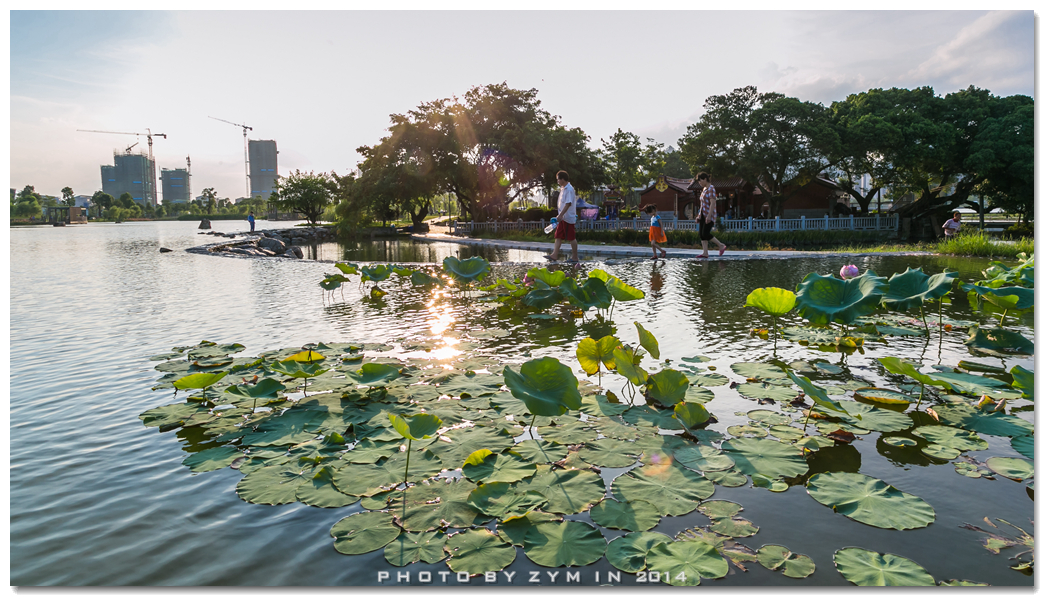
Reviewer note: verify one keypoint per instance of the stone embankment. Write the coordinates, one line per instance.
(266, 243)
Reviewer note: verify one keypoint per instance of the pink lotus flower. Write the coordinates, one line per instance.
(849, 271)
(527, 281)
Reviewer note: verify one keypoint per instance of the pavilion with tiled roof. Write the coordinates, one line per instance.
(675, 197)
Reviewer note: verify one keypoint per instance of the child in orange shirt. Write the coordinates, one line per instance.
(656, 235)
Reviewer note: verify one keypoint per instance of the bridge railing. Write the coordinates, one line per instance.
(851, 222)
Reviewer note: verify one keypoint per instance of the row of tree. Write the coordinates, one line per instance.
(28, 203)
(496, 145)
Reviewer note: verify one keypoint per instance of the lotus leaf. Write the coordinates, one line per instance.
(774, 301)
(363, 532)
(564, 544)
(703, 459)
(485, 466)
(466, 271)
(268, 388)
(628, 369)
(417, 426)
(747, 431)
(614, 427)
(767, 457)
(375, 374)
(870, 501)
(815, 393)
(1023, 445)
(635, 516)
(645, 416)
(368, 451)
(568, 432)
(568, 491)
(994, 424)
(719, 508)
(905, 368)
(997, 342)
(513, 530)
(954, 582)
(786, 433)
(863, 567)
(880, 395)
(728, 479)
(592, 293)
(551, 278)
(691, 414)
(772, 484)
(478, 551)
(465, 441)
(686, 562)
(709, 380)
(627, 553)
(937, 451)
(910, 289)
(770, 418)
(609, 452)
(200, 380)
(758, 371)
(1023, 378)
(814, 335)
(540, 451)
(982, 367)
(972, 384)
(273, 485)
(1002, 296)
(869, 417)
(899, 441)
(898, 331)
(603, 405)
(305, 356)
(667, 386)
(593, 352)
(972, 470)
(442, 503)
(733, 527)
(504, 500)
(366, 480)
(542, 299)
(617, 287)
(348, 268)
(546, 386)
(648, 341)
(1012, 468)
(212, 459)
(375, 273)
(673, 490)
(419, 278)
(775, 557)
(411, 547)
(171, 415)
(955, 438)
(320, 491)
(823, 299)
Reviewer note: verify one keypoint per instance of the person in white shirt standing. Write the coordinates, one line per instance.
(566, 229)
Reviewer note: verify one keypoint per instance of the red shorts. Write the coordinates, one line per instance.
(565, 231)
(656, 234)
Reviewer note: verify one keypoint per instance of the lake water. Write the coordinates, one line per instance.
(96, 498)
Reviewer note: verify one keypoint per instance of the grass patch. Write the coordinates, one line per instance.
(980, 244)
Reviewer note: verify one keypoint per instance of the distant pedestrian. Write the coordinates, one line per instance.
(952, 226)
(656, 235)
(708, 214)
(250, 218)
(566, 229)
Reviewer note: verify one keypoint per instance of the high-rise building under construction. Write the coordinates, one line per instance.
(176, 186)
(130, 172)
(264, 167)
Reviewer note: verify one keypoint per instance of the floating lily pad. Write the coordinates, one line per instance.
(994, 424)
(869, 417)
(767, 457)
(775, 557)
(1023, 445)
(608, 452)
(320, 491)
(600, 406)
(971, 470)
(672, 489)
(635, 516)
(955, 438)
(541, 451)
(478, 551)
(772, 484)
(568, 491)
(411, 547)
(728, 479)
(485, 466)
(761, 390)
(645, 416)
(465, 441)
(770, 418)
(627, 553)
(899, 441)
(813, 443)
(546, 386)
(363, 532)
(758, 371)
(719, 508)
(687, 562)
(747, 431)
(503, 500)
(733, 527)
(708, 380)
(514, 530)
(870, 501)
(667, 387)
(564, 544)
(1012, 468)
(273, 485)
(997, 342)
(703, 459)
(691, 414)
(212, 459)
(937, 451)
(439, 504)
(364, 480)
(786, 433)
(863, 567)
(568, 431)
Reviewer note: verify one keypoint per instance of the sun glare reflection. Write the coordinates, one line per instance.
(441, 319)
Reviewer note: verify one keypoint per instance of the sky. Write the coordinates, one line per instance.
(323, 83)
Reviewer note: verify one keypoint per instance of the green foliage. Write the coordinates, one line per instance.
(863, 567)
(774, 301)
(870, 501)
(823, 299)
(591, 353)
(546, 386)
(910, 289)
(306, 193)
(467, 271)
(418, 426)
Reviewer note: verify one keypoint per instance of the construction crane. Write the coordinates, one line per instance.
(246, 157)
(128, 149)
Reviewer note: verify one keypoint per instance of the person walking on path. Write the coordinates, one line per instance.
(250, 218)
(708, 214)
(656, 235)
(952, 226)
(566, 229)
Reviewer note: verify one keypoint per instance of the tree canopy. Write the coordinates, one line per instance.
(306, 193)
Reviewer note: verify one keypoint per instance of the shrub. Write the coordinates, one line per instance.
(1020, 230)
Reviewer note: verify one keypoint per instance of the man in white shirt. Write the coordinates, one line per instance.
(566, 229)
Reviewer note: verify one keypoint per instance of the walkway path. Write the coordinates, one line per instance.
(645, 252)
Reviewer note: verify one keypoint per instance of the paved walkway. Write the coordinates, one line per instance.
(645, 252)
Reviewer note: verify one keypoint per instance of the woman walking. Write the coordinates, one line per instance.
(707, 215)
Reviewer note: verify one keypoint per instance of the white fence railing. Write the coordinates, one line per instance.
(851, 222)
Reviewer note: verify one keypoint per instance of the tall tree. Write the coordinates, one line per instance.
(306, 193)
(773, 141)
(624, 162)
(210, 199)
(68, 198)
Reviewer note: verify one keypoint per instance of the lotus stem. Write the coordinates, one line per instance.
(1003, 315)
(807, 415)
(923, 319)
(406, 481)
(940, 320)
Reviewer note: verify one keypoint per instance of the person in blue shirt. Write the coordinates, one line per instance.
(656, 235)
(250, 218)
